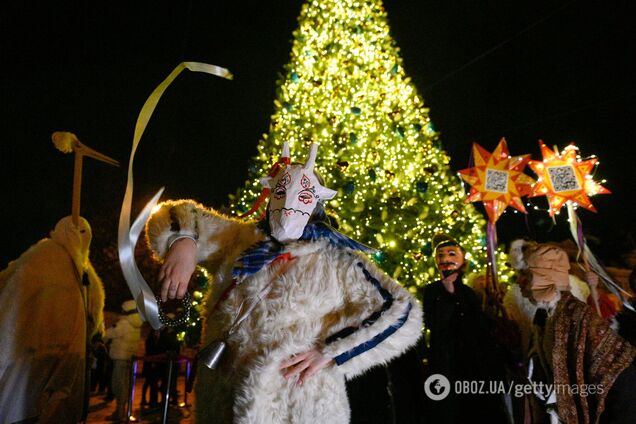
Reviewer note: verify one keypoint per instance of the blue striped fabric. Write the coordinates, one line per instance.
(370, 344)
(388, 302)
(265, 252)
(363, 347)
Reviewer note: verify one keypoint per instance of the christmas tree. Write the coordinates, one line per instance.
(345, 89)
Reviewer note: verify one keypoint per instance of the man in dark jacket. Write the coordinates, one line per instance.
(461, 346)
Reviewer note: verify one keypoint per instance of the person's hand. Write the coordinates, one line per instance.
(449, 281)
(592, 278)
(305, 365)
(177, 269)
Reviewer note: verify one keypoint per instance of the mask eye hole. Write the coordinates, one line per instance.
(305, 197)
(82, 231)
(279, 191)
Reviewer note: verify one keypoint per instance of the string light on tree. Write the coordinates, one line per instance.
(345, 88)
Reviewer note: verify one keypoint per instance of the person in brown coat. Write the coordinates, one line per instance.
(588, 370)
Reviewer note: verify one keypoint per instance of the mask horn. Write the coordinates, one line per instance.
(311, 159)
(285, 156)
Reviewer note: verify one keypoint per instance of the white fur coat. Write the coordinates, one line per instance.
(326, 297)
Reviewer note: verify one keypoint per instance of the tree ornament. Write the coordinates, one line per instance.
(421, 186)
(342, 165)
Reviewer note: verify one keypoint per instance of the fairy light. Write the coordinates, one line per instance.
(346, 89)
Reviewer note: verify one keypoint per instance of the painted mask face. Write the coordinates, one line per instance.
(295, 192)
(449, 259)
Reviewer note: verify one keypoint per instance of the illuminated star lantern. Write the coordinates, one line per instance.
(497, 179)
(564, 177)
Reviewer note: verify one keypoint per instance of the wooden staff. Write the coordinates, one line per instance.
(67, 142)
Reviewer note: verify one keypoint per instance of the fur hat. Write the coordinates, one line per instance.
(515, 254)
(129, 306)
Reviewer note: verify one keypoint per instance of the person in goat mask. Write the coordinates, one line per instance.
(320, 310)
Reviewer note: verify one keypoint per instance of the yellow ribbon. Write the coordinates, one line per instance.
(127, 235)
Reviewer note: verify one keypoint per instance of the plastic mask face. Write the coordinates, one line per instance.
(449, 258)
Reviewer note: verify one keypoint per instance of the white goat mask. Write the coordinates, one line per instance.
(295, 193)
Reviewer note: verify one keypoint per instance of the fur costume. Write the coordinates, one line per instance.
(329, 297)
(522, 310)
(44, 329)
(125, 336)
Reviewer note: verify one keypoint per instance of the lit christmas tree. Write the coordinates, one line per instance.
(345, 89)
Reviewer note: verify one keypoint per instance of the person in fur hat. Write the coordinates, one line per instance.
(587, 367)
(125, 336)
(462, 347)
(51, 304)
(520, 308)
(327, 313)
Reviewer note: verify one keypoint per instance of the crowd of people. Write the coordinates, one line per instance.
(543, 333)
(300, 309)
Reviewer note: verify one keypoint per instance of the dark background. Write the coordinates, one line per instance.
(559, 71)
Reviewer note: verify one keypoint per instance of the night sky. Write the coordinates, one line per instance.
(559, 71)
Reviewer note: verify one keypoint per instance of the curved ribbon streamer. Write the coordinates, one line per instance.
(576, 228)
(127, 236)
(142, 293)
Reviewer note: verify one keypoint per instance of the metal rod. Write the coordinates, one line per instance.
(166, 396)
(185, 395)
(131, 397)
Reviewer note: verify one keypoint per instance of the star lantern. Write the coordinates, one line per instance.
(497, 179)
(565, 177)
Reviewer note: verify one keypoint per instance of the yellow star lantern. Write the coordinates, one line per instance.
(563, 177)
(497, 179)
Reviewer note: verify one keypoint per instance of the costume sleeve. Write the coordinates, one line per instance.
(217, 236)
(379, 319)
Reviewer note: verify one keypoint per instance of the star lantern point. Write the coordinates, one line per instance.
(564, 177)
(497, 179)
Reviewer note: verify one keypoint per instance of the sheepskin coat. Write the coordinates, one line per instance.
(326, 297)
(44, 329)
(522, 310)
(125, 336)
